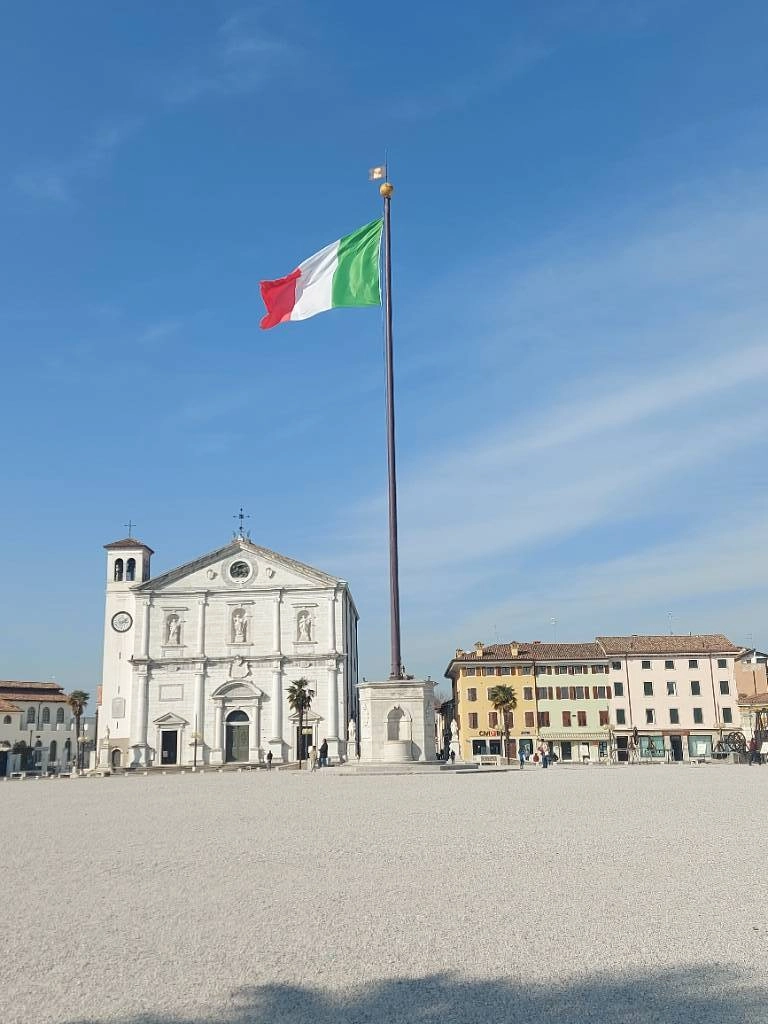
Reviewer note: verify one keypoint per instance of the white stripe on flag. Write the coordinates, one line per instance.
(314, 288)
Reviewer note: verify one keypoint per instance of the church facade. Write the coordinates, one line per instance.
(198, 660)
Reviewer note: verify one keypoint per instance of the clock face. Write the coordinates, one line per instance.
(239, 570)
(121, 622)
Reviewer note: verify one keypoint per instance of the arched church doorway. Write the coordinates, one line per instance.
(116, 756)
(238, 727)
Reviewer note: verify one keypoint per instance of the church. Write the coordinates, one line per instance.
(198, 660)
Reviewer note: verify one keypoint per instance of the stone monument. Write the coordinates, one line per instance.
(397, 721)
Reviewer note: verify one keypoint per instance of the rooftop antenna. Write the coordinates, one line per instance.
(553, 623)
(669, 616)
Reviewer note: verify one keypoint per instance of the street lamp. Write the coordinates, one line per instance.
(82, 739)
(196, 738)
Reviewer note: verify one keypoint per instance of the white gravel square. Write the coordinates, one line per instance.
(567, 896)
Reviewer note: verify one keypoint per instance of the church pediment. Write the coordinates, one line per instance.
(240, 566)
(236, 689)
(171, 720)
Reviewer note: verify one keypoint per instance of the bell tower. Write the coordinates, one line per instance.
(128, 566)
(128, 562)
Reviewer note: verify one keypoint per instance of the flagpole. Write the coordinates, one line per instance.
(396, 668)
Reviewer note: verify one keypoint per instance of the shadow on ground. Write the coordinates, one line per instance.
(704, 995)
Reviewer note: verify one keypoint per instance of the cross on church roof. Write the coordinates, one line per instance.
(242, 516)
(129, 527)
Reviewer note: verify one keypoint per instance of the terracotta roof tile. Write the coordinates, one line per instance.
(527, 651)
(128, 542)
(702, 643)
(6, 706)
(15, 689)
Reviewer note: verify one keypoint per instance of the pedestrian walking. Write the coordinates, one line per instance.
(324, 754)
(453, 757)
(269, 759)
(313, 758)
(754, 756)
(522, 758)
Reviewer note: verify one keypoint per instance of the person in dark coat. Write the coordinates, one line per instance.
(269, 759)
(324, 754)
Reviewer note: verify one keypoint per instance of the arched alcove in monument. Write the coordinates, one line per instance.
(397, 725)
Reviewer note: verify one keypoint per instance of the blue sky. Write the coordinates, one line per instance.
(581, 233)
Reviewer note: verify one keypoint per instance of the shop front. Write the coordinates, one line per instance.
(575, 747)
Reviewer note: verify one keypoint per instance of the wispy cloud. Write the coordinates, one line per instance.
(158, 333)
(459, 92)
(243, 56)
(602, 459)
(55, 181)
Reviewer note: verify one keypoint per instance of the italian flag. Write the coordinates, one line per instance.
(344, 273)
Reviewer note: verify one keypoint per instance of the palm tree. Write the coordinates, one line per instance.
(504, 699)
(77, 701)
(300, 701)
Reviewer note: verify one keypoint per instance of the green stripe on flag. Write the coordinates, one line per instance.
(356, 279)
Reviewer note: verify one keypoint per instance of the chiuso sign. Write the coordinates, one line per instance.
(489, 732)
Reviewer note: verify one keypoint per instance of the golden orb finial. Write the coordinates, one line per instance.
(386, 190)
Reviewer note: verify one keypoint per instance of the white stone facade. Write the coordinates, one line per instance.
(198, 661)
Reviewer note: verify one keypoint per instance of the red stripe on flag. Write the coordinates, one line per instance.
(279, 298)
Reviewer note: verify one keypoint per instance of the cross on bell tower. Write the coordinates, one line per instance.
(241, 531)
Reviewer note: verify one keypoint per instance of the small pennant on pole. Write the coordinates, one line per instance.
(377, 173)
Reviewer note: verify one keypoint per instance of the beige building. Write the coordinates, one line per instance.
(473, 675)
(750, 672)
(37, 715)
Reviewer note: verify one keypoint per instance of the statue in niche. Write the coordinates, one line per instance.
(454, 730)
(351, 731)
(174, 627)
(239, 626)
(304, 623)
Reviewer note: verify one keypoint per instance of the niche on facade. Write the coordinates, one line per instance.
(172, 630)
(305, 627)
(239, 627)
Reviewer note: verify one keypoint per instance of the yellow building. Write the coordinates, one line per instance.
(473, 675)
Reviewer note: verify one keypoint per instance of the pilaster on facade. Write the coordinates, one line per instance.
(277, 642)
